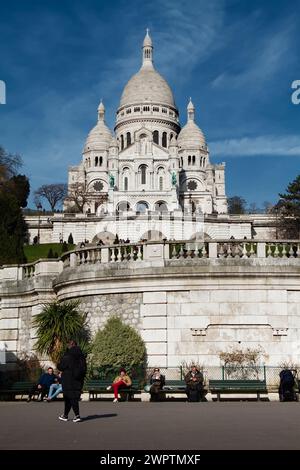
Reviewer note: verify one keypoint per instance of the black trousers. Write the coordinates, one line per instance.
(43, 391)
(71, 403)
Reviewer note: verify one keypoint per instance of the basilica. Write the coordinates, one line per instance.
(149, 163)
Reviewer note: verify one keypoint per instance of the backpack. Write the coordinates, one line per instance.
(79, 369)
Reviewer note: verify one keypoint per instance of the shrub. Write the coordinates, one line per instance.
(117, 345)
(70, 239)
(50, 254)
(64, 247)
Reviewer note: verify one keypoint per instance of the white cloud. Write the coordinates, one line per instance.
(267, 145)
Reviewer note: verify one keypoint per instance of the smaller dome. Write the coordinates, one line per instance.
(100, 136)
(191, 136)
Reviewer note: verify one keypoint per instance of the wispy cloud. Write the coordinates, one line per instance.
(266, 145)
(259, 61)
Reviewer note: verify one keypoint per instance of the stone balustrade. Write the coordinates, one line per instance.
(150, 251)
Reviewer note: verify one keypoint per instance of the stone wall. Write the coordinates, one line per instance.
(186, 309)
(100, 307)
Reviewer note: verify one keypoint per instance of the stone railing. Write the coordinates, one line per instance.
(149, 251)
(42, 267)
(156, 251)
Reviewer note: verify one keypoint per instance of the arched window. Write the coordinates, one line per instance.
(128, 138)
(194, 159)
(123, 206)
(142, 206)
(164, 139)
(122, 142)
(96, 161)
(181, 158)
(161, 183)
(189, 159)
(143, 169)
(100, 161)
(126, 183)
(161, 206)
(155, 137)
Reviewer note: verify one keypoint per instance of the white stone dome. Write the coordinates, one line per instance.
(147, 86)
(100, 136)
(191, 136)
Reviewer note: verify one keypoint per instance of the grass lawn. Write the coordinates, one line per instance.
(35, 252)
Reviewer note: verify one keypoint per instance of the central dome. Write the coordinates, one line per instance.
(147, 85)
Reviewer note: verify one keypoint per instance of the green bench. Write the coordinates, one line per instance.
(175, 386)
(237, 386)
(99, 387)
(17, 388)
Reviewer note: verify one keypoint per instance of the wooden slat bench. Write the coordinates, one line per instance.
(99, 387)
(17, 388)
(237, 386)
(175, 386)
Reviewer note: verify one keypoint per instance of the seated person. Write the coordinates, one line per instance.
(43, 384)
(55, 389)
(194, 384)
(157, 382)
(121, 381)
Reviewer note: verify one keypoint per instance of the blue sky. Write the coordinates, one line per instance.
(236, 59)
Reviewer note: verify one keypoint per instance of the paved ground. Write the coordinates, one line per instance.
(172, 426)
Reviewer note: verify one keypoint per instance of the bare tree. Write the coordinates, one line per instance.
(79, 196)
(53, 193)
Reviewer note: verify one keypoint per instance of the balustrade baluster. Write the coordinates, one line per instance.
(276, 252)
(252, 252)
(221, 251)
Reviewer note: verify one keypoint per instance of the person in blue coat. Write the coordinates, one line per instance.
(43, 385)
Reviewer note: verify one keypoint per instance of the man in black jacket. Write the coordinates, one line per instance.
(73, 367)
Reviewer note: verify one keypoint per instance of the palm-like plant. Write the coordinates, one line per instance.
(57, 323)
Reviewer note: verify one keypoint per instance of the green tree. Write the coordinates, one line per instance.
(64, 247)
(57, 323)
(236, 205)
(12, 230)
(288, 207)
(50, 254)
(21, 188)
(14, 190)
(117, 345)
(70, 239)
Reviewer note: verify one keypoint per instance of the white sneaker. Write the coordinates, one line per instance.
(115, 400)
(63, 418)
(109, 387)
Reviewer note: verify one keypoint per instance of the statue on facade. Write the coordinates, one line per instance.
(111, 181)
(174, 179)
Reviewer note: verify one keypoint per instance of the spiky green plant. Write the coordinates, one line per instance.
(57, 323)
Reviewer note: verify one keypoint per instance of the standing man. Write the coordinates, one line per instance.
(73, 367)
